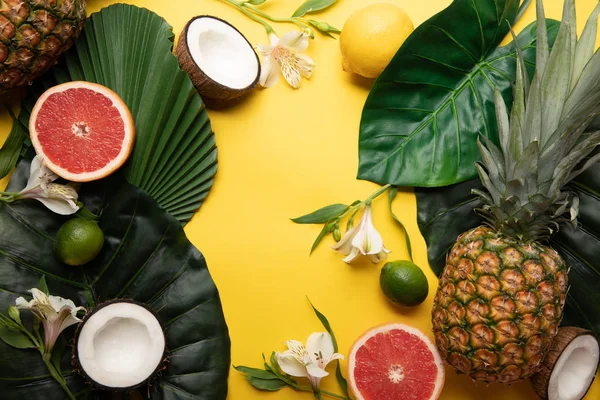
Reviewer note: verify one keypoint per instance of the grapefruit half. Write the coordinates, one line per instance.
(82, 130)
(395, 362)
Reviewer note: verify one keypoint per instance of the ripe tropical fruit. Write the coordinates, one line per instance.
(78, 241)
(371, 37)
(395, 361)
(33, 34)
(403, 283)
(501, 295)
(82, 130)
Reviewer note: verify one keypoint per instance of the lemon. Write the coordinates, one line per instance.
(371, 37)
(78, 241)
(403, 283)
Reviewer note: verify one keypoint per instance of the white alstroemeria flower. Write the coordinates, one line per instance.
(284, 54)
(55, 313)
(310, 361)
(61, 199)
(362, 239)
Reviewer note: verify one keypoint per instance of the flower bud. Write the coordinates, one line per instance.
(337, 234)
(14, 313)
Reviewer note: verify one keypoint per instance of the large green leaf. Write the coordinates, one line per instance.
(129, 50)
(444, 213)
(146, 257)
(421, 120)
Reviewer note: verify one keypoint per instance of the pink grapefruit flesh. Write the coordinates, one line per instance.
(395, 362)
(82, 130)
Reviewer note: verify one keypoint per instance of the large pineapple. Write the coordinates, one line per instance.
(501, 295)
(33, 33)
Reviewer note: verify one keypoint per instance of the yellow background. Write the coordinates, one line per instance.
(284, 153)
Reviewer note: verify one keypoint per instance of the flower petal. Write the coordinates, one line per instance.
(39, 296)
(320, 345)
(291, 366)
(344, 246)
(353, 254)
(290, 71)
(62, 207)
(22, 303)
(368, 240)
(296, 40)
(58, 303)
(269, 74)
(264, 49)
(34, 174)
(306, 65)
(273, 39)
(314, 371)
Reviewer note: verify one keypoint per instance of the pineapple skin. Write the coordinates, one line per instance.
(33, 34)
(498, 305)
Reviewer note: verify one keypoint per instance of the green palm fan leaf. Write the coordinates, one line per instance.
(129, 50)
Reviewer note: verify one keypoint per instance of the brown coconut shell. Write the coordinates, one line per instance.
(541, 379)
(78, 369)
(207, 87)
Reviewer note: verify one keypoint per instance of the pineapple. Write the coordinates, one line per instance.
(501, 295)
(33, 34)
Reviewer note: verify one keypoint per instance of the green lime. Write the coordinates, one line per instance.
(78, 241)
(403, 283)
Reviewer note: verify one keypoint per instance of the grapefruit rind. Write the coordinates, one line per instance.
(126, 145)
(441, 376)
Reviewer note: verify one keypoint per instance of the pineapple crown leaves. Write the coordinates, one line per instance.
(543, 141)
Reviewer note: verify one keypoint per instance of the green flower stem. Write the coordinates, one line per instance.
(55, 374)
(8, 197)
(293, 20)
(354, 209)
(378, 193)
(245, 11)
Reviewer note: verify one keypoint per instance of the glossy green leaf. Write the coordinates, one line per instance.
(320, 237)
(322, 215)
(392, 193)
(444, 213)
(43, 285)
(256, 2)
(11, 149)
(255, 372)
(129, 50)
(422, 118)
(310, 6)
(266, 384)
(338, 371)
(146, 257)
(14, 338)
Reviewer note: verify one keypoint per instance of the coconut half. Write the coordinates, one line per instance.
(219, 60)
(119, 345)
(569, 368)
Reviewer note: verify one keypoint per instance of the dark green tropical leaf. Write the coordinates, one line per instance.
(444, 213)
(11, 149)
(421, 120)
(129, 50)
(146, 257)
(310, 6)
(322, 215)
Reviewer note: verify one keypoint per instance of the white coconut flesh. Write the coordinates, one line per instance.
(222, 53)
(574, 370)
(120, 345)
